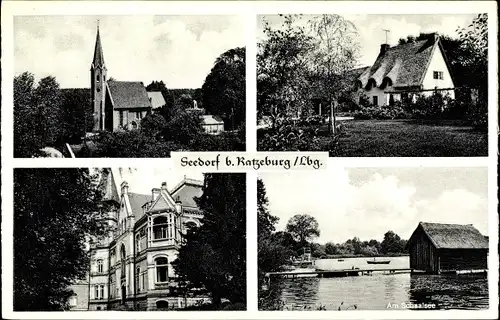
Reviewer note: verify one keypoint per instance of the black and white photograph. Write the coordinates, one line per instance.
(405, 85)
(128, 86)
(128, 239)
(374, 239)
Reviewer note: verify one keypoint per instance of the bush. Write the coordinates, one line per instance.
(287, 137)
(382, 112)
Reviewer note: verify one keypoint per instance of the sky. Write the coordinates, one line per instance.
(180, 50)
(371, 34)
(368, 202)
(142, 180)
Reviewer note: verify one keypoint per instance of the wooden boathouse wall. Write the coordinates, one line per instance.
(423, 255)
(463, 259)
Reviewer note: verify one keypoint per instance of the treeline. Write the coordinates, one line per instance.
(391, 245)
(275, 249)
(46, 116)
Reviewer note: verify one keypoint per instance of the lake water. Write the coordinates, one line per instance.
(378, 291)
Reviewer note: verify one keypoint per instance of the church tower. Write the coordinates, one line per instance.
(98, 84)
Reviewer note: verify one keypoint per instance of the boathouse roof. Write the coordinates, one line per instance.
(451, 236)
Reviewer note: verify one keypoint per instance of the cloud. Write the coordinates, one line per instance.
(180, 50)
(367, 209)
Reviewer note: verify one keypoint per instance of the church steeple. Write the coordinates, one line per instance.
(98, 55)
(98, 84)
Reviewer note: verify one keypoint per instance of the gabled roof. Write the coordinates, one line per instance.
(98, 60)
(156, 99)
(137, 200)
(452, 236)
(128, 95)
(111, 187)
(211, 119)
(405, 64)
(187, 191)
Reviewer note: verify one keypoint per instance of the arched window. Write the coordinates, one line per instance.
(161, 265)
(123, 257)
(100, 266)
(97, 77)
(138, 243)
(137, 283)
(160, 228)
(134, 125)
(161, 304)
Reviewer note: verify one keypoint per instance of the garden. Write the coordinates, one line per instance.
(307, 101)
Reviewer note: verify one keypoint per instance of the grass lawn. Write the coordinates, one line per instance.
(411, 138)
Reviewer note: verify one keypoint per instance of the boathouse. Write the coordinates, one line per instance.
(441, 248)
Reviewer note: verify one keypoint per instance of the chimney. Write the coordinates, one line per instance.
(124, 186)
(164, 186)
(383, 48)
(178, 205)
(155, 192)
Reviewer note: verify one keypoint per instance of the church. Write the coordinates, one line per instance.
(131, 269)
(120, 105)
(116, 104)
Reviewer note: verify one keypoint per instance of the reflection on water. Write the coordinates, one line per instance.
(377, 292)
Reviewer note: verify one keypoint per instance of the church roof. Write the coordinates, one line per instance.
(128, 95)
(156, 99)
(405, 64)
(98, 55)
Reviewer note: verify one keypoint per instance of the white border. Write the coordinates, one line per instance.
(250, 10)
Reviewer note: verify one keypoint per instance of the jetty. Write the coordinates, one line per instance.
(335, 273)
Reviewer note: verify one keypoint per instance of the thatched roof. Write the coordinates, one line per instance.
(405, 65)
(452, 236)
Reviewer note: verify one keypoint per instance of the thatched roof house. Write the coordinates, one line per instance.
(438, 247)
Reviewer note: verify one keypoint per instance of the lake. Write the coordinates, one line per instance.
(378, 291)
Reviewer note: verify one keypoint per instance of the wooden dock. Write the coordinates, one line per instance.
(335, 273)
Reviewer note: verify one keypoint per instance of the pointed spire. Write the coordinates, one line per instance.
(98, 61)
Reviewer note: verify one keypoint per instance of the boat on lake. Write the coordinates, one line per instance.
(378, 261)
(340, 260)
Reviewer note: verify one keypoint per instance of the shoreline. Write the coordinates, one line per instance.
(346, 256)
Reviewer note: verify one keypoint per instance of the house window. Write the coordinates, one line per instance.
(137, 282)
(143, 280)
(162, 228)
(100, 266)
(121, 118)
(122, 256)
(99, 292)
(137, 243)
(438, 75)
(161, 269)
(375, 100)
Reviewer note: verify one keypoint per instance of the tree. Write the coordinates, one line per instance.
(185, 101)
(214, 254)
(153, 125)
(224, 88)
(55, 212)
(391, 243)
(282, 58)
(77, 114)
(335, 54)
(38, 118)
(266, 221)
(331, 248)
(303, 228)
